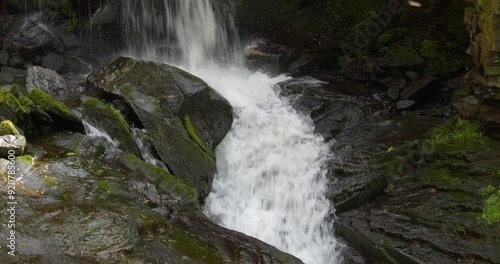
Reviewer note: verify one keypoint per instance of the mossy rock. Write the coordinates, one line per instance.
(10, 108)
(106, 117)
(442, 62)
(407, 58)
(164, 180)
(59, 112)
(8, 128)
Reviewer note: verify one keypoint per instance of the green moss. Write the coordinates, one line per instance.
(187, 243)
(491, 211)
(488, 190)
(196, 137)
(26, 159)
(440, 177)
(106, 117)
(164, 180)
(103, 186)
(10, 107)
(8, 128)
(404, 57)
(442, 61)
(458, 130)
(49, 104)
(99, 151)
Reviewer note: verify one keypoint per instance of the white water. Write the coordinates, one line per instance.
(95, 132)
(270, 181)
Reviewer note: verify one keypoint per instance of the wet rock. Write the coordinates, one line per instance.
(107, 118)
(9, 143)
(433, 213)
(16, 61)
(34, 41)
(403, 58)
(182, 114)
(10, 108)
(468, 106)
(412, 76)
(405, 104)
(52, 61)
(71, 41)
(421, 91)
(8, 128)
(264, 62)
(60, 113)
(393, 92)
(99, 210)
(47, 80)
(75, 64)
(4, 58)
(6, 77)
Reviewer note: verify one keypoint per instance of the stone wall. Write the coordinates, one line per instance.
(482, 20)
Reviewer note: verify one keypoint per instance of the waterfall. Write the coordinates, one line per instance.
(270, 181)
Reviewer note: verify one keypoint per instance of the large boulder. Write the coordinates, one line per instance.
(184, 116)
(115, 208)
(47, 80)
(107, 118)
(34, 41)
(12, 145)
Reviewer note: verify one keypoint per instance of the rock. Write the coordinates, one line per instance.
(393, 92)
(71, 41)
(47, 80)
(435, 212)
(16, 61)
(405, 104)
(468, 106)
(182, 114)
(412, 76)
(261, 61)
(10, 144)
(10, 108)
(421, 91)
(61, 114)
(34, 41)
(75, 64)
(405, 58)
(107, 118)
(53, 61)
(132, 210)
(8, 128)
(6, 77)
(4, 58)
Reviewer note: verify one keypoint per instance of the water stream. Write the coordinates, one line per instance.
(270, 181)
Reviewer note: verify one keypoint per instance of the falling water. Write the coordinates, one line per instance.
(95, 132)
(270, 181)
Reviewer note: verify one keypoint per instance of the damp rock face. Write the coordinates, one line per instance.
(184, 116)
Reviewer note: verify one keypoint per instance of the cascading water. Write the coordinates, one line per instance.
(270, 181)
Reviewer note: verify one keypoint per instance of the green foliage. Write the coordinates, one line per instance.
(491, 211)
(488, 190)
(72, 23)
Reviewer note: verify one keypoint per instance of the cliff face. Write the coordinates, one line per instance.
(482, 20)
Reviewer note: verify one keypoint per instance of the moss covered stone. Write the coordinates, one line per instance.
(442, 61)
(8, 128)
(49, 104)
(197, 139)
(10, 108)
(164, 180)
(106, 117)
(404, 57)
